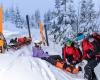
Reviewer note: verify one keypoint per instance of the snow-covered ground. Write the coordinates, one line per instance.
(20, 65)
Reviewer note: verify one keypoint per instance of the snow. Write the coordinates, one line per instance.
(20, 65)
(21, 68)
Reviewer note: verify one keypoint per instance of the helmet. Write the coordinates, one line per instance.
(37, 43)
(80, 36)
(90, 39)
(69, 42)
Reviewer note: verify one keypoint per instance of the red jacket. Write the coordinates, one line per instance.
(20, 40)
(71, 51)
(86, 46)
(97, 40)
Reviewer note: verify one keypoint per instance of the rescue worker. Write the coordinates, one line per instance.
(71, 56)
(71, 53)
(90, 53)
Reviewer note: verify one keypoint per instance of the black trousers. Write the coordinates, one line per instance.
(52, 59)
(89, 69)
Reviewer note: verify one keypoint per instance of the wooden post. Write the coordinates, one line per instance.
(41, 33)
(27, 19)
(46, 35)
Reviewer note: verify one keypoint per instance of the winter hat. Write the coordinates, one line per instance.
(80, 36)
(37, 43)
(69, 42)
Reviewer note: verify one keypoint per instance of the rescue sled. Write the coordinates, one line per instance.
(21, 43)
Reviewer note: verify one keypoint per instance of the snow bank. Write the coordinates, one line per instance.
(19, 66)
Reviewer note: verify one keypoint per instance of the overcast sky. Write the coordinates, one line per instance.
(29, 6)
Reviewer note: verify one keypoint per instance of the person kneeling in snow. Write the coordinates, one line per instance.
(71, 56)
(38, 52)
(70, 53)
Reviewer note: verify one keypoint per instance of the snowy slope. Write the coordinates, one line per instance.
(20, 68)
(19, 65)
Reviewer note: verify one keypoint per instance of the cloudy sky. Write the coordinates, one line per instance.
(29, 6)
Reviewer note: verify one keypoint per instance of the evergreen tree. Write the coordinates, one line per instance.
(32, 21)
(62, 20)
(12, 14)
(6, 15)
(91, 15)
(37, 17)
(72, 16)
(18, 19)
(87, 15)
(91, 11)
(57, 6)
(47, 18)
(83, 11)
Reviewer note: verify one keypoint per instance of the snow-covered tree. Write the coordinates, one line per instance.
(91, 12)
(83, 11)
(12, 14)
(62, 20)
(32, 21)
(57, 6)
(72, 16)
(37, 17)
(18, 19)
(87, 15)
(47, 18)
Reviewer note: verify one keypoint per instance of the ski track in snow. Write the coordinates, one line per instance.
(21, 65)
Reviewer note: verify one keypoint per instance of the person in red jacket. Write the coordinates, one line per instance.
(86, 46)
(70, 53)
(89, 48)
(90, 43)
(96, 37)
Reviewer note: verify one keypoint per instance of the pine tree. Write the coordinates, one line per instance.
(12, 14)
(91, 12)
(87, 15)
(37, 17)
(91, 15)
(32, 21)
(83, 11)
(72, 16)
(47, 18)
(18, 19)
(62, 20)
(57, 6)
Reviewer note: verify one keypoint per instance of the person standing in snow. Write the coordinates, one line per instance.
(90, 53)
